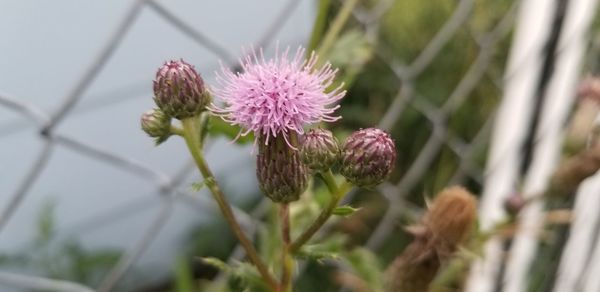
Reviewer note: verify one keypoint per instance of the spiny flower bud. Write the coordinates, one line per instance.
(156, 124)
(319, 149)
(179, 91)
(368, 157)
(281, 175)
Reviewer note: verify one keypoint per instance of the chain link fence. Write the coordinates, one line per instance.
(488, 45)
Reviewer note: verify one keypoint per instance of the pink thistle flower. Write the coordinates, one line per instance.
(277, 96)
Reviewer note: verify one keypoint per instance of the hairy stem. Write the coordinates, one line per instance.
(286, 260)
(176, 131)
(329, 181)
(192, 139)
(338, 193)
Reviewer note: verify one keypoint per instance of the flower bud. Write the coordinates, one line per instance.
(156, 124)
(514, 203)
(319, 149)
(179, 91)
(368, 157)
(281, 175)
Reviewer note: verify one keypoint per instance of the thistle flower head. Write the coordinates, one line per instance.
(368, 157)
(319, 149)
(179, 90)
(279, 96)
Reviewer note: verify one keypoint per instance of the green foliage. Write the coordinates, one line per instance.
(197, 186)
(344, 210)
(245, 273)
(161, 139)
(350, 53)
(218, 127)
(331, 248)
(367, 267)
(45, 224)
(61, 259)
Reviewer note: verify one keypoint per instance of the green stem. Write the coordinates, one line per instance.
(192, 140)
(203, 127)
(287, 261)
(329, 180)
(336, 27)
(319, 25)
(325, 214)
(177, 131)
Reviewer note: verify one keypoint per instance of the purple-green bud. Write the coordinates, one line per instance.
(156, 123)
(179, 91)
(281, 175)
(514, 203)
(319, 149)
(368, 157)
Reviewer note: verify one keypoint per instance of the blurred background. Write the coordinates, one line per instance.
(86, 197)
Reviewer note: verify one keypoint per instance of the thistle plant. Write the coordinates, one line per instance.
(280, 101)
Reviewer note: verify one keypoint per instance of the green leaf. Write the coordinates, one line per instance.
(217, 263)
(218, 127)
(350, 53)
(197, 186)
(344, 210)
(309, 253)
(366, 266)
(45, 224)
(330, 248)
(352, 49)
(160, 140)
(244, 272)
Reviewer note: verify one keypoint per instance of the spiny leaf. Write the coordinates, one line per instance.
(244, 272)
(197, 186)
(344, 210)
(160, 140)
(309, 254)
(249, 276)
(330, 248)
(217, 263)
